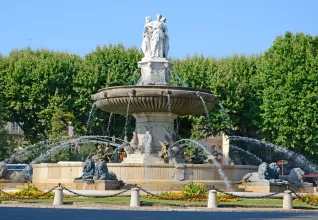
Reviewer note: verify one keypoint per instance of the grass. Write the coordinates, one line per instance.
(122, 200)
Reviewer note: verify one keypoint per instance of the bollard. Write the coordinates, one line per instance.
(58, 196)
(288, 200)
(212, 199)
(134, 199)
(315, 189)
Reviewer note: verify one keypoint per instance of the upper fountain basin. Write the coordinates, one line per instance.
(183, 100)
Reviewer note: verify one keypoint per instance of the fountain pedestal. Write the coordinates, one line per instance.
(160, 124)
(155, 71)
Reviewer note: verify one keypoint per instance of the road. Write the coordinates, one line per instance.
(15, 213)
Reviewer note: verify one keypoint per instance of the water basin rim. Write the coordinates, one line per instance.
(158, 87)
(153, 96)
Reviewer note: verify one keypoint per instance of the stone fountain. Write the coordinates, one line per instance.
(155, 104)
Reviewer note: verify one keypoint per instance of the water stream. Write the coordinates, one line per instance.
(169, 113)
(299, 159)
(127, 117)
(109, 122)
(91, 114)
(210, 156)
(183, 84)
(259, 160)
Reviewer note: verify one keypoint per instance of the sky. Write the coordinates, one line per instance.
(205, 27)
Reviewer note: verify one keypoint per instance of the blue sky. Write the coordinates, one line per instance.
(212, 28)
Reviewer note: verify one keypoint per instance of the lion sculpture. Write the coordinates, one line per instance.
(260, 176)
(88, 170)
(266, 174)
(3, 170)
(102, 173)
(295, 177)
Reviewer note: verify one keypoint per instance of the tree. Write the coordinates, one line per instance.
(32, 78)
(230, 79)
(111, 65)
(288, 86)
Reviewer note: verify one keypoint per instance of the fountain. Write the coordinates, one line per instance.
(154, 156)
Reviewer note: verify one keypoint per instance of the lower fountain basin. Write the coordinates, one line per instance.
(183, 100)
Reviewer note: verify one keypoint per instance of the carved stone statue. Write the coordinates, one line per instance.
(147, 139)
(295, 177)
(145, 46)
(3, 170)
(163, 154)
(261, 175)
(102, 173)
(155, 43)
(19, 177)
(88, 170)
(166, 39)
(196, 158)
(266, 174)
(157, 38)
(273, 171)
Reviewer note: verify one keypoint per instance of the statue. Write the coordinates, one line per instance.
(273, 171)
(295, 177)
(3, 170)
(147, 139)
(157, 37)
(88, 170)
(166, 39)
(19, 177)
(155, 43)
(163, 154)
(99, 153)
(102, 173)
(133, 144)
(115, 156)
(196, 158)
(145, 46)
(266, 174)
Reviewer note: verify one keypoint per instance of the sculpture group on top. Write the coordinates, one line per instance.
(155, 43)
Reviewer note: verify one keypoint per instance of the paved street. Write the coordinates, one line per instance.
(15, 213)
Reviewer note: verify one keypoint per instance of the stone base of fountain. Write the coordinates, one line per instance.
(152, 176)
(271, 188)
(95, 184)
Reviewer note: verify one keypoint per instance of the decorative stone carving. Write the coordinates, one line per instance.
(155, 43)
(273, 171)
(179, 172)
(295, 177)
(3, 170)
(147, 139)
(266, 174)
(145, 46)
(102, 173)
(196, 158)
(19, 177)
(163, 154)
(88, 170)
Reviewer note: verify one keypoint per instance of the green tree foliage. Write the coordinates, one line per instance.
(230, 80)
(32, 79)
(288, 86)
(6, 142)
(111, 65)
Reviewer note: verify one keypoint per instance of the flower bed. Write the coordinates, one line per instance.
(192, 192)
(30, 191)
(308, 198)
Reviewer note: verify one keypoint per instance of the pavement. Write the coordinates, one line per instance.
(34, 213)
(97, 206)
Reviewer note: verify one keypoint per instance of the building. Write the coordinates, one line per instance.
(219, 143)
(15, 131)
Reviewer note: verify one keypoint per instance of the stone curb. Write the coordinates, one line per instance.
(164, 209)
